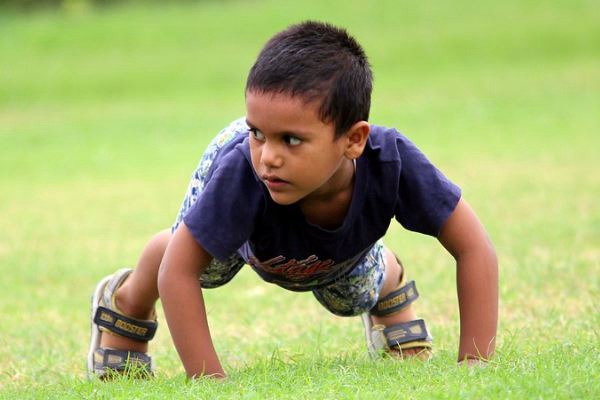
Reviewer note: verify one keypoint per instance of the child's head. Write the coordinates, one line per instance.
(317, 63)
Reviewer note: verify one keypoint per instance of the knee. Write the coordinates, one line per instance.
(158, 243)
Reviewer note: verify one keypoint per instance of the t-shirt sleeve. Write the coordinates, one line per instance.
(224, 215)
(426, 198)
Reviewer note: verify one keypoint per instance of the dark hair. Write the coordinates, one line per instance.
(318, 62)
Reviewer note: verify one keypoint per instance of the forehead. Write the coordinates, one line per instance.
(280, 112)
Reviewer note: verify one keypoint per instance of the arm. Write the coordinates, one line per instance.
(477, 282)
(182, 300)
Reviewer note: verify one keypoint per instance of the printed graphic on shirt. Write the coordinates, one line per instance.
(293, 269)
(301, 274)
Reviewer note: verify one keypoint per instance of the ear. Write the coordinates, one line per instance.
(356, 138)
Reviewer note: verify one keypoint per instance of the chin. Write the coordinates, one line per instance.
(282, 199)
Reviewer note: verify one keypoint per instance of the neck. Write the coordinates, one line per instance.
(328, 207)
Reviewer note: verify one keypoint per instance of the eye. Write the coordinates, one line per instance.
(292, 140)
(258, 135)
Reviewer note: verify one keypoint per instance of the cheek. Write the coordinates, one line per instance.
(254, 156)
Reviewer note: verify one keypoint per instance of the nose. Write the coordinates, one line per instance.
(270, 155)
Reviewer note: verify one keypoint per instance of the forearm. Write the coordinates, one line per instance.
(182, 300)
(477, 281)
(184, 309)
(477, 284)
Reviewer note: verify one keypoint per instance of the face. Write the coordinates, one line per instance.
(292, 150)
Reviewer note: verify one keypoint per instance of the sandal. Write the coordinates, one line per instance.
(398, 337)
(106, 317)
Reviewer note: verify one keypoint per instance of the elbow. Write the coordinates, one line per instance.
(481, 252)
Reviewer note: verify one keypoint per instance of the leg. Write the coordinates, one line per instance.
(357, 292)
(377, 286)
(393, 275)
(138, 294)
(124, 302)
(123, 318)
(123, 313)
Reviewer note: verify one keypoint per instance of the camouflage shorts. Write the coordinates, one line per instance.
(352, 294)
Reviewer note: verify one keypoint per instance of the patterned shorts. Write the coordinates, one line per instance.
(352, 294)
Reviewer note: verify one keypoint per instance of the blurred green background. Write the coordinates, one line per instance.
(105, 110)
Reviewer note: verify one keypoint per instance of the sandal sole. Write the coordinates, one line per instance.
(94, 328)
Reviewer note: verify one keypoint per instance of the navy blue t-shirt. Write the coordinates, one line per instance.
(235, 213)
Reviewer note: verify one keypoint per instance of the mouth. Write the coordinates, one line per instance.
(274, 182)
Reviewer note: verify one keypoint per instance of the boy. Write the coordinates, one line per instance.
(302, 190)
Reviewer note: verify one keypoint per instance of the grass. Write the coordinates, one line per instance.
(103, 115)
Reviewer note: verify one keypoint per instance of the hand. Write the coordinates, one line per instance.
(420, 353)
(473, 362)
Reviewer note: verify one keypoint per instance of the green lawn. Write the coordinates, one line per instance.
(104, 114)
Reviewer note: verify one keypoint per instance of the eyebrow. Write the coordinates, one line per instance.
(291, 133)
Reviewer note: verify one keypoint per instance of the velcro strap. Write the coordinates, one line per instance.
(132, 328)
(120, 360)
(425, 344)
(396, 300)
(405, 332)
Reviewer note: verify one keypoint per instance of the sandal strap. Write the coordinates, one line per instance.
(136, 329)
(396, 300)
(110, 318)
(425, 344)
(119, 360)
(108, 297)
(406, 332)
